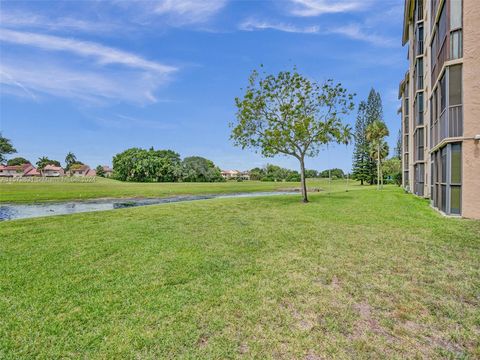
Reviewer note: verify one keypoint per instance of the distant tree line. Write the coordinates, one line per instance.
(152, 165)
(276, 173)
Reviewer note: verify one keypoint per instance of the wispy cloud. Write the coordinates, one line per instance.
(253, 24)
(357, 32)
(60, 80)
(320, 7)
(103, 54)
(29, 20)
(114, 74)
(189, 11)
(352, 31)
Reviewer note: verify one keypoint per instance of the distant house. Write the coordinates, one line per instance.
(107, 170)
(82, 170)
(15, 170)
(235, 175)
(52, 171)
(33, 172)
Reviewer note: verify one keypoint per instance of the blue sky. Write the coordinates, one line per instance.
(97, 77)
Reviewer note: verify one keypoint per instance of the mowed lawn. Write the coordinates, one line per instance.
(358, 274)
(23, 192)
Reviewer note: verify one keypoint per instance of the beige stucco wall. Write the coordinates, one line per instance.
(471, 103)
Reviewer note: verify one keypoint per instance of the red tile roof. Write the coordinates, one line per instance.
(52, 167)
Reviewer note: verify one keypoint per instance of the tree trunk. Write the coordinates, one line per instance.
(303, 180)
(378, 167)
(361, 181)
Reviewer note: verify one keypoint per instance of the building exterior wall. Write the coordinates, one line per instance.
(471, 86)
(441, 159)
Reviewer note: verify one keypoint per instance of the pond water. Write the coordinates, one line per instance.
(22, 211)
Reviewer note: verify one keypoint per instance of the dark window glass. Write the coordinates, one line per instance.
(442, 25)
(443, 204)
(456, 168)
(443, 94)
(455, 85)
(444, 165)
(455, 199)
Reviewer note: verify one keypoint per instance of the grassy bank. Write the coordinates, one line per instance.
(363, 274)
(16, 192)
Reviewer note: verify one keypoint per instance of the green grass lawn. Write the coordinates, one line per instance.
(17, 192)
(358, 274)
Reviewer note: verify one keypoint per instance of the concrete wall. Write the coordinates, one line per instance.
(471, 106)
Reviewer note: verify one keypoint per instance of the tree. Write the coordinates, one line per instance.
(151, 165)
(392, 168)
(70, 159)
(291, 115)
(100, 171)
(334, 173)
(44, 161)
(311, 174)
(373, 112)
(398, 147)
(17, 161)
(376, 133)
(199, 169)
(257, 173)
(6, 148)
(361, 158)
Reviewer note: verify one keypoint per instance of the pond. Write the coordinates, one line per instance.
(23, 211)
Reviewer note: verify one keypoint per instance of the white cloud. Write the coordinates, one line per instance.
(24, 19)
(318, 7)
(114, 75)
(352, 31)
(189, 11)
(37, 78)
(103, 54)
(357, 32)
(252, 25)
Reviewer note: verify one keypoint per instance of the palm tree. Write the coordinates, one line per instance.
(376, 132)
(373, 152)
(70, 159)
(42, 162)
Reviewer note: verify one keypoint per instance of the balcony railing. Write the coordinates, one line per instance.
(448, 126)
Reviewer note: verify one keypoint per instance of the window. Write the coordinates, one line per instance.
(419, 10)
(419, 38)
(456, 166)
(455, 14)
(455, 199)
(455, 85)
(456, 178)
(443, 154)
(443, 93)
(434, 50)
(442, 26)
(447, 178)
(419, 109)
(419, 144)
(456, 47)
(419, 72)
(419, 179)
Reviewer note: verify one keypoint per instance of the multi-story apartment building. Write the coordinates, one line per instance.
(441, 104)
